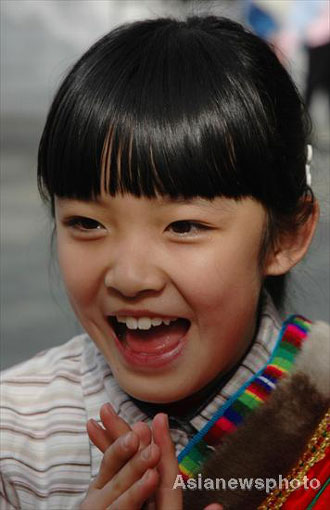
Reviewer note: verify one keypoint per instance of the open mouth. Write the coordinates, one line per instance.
(122, 330)
(154, 340)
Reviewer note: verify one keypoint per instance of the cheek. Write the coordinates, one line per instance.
(228, 270)
(78, 272)
(223, 296)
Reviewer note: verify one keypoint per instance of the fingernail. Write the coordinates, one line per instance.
(110, 408)
(96, 424)
(127, 441)
(146, 453)
(165, 420)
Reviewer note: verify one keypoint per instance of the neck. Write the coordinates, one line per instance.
(188, 407)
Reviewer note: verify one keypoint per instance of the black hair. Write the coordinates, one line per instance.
(200, 107)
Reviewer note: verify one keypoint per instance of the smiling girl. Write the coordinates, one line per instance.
(174, 163)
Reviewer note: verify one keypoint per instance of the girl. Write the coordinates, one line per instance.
(174, 163)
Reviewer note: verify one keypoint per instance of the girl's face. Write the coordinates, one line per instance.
(194, 260)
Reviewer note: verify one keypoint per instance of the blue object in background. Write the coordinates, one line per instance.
(262, 22)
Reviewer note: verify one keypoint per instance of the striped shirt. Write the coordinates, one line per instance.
(47, 460)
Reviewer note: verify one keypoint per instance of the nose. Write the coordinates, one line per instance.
(134, 271)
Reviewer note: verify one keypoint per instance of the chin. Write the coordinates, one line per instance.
(156, 397)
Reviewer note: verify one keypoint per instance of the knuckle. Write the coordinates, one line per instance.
(126, 444)
(117, 485)
(148, 455)
(114, 452)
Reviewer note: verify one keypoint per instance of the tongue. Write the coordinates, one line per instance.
(158, 339)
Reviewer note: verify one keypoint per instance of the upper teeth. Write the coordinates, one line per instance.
(143, 322)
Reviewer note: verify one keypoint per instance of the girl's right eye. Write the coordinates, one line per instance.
(83, 224)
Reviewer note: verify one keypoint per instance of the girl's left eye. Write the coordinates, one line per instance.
(83, 224)
(187, 227)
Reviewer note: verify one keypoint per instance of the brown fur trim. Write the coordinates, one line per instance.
(267, 445)
(314, 357)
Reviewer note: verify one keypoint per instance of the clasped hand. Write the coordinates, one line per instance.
(138, 466)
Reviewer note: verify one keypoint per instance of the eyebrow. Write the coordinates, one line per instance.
(183, 201)
(223, 206)
(179, 201)
(163, 201)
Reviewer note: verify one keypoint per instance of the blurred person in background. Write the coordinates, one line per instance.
(291, 25)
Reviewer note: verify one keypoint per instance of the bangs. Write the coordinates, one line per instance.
(159, 107)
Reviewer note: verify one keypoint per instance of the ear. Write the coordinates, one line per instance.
(291, 247)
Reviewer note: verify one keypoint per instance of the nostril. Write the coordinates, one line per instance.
(130, 279)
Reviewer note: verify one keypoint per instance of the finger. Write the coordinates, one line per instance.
(98, 435)
(151, 503)
(131, 472)
(138, 493)
(166, 496)
(115, 457)
(102, 438)
(113, 424)
(144, 433)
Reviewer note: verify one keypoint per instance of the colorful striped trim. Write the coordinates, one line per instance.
(250, 396)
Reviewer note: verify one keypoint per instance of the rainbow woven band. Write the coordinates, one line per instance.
(250, 396)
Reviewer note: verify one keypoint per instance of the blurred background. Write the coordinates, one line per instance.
(40, 40)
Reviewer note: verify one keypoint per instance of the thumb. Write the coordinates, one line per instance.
(166, 496)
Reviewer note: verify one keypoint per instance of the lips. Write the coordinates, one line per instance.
(153, 347)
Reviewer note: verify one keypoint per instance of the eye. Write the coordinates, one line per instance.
(187, 227)
(84, 224)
